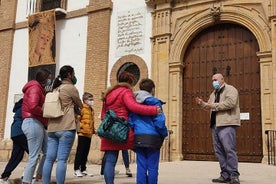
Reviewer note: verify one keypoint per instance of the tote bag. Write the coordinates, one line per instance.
(114, 128)
(52, 105)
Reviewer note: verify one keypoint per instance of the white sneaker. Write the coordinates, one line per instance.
(85, 173)
(4, 181)
(37, 182)
(78, 173)
(116, 172)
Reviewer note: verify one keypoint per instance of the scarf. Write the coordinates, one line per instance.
(214, 113)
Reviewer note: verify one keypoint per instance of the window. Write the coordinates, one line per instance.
(35, 6)
(131, 68)
(132, 64)
(50, 4)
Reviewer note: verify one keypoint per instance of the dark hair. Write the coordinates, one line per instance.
(42, 75)
(147, 85)
(63, 73)
(126, 77)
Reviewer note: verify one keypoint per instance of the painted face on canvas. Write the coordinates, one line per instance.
(42, 42)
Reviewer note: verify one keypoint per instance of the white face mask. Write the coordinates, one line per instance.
(90, 102)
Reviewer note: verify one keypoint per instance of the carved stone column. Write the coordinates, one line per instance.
(163, 77)
(273, 55)
(267, 88)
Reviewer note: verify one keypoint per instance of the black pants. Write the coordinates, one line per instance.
(82, 153)
(20, 145)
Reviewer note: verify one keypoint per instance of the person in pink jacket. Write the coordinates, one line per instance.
(34, 125)
(120, 99)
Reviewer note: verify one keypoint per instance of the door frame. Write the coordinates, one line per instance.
(181, 39)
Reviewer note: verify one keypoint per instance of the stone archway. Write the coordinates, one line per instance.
(180, 40)
(129, 59)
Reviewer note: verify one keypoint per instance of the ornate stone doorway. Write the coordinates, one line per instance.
(230, 49)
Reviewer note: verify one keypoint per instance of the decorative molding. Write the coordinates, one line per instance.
(153, 3)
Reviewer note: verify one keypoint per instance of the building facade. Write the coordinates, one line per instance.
(177, 43)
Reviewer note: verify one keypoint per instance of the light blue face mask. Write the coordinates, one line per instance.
(48, 82)
(216, 84)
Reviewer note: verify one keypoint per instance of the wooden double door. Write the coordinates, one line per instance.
(229, 49)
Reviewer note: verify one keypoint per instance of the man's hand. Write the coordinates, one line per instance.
(198, 100)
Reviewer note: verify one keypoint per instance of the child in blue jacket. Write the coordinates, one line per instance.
(149, 134)
(20, 144)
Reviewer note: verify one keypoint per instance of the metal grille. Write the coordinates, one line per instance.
(271, 146)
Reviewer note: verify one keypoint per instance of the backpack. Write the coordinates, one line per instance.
(52, 105)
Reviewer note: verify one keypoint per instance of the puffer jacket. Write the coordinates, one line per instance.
(33, 100)
(120, 99)
(86, 121)
(149, 131)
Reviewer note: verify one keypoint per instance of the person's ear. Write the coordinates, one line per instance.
(69, 75)
(153, 91)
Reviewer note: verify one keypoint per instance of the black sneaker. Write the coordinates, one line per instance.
(234, 181)
(220, 180)
(128, 173)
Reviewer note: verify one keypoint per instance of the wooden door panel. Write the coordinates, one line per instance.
(231, 50)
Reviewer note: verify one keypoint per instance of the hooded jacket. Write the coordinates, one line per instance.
(120, 99)
(33, 100)
(17, 119)
(149, 131)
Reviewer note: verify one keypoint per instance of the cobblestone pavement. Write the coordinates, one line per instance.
(180, 172)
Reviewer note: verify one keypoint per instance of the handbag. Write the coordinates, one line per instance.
(113, 127)
(52, 105)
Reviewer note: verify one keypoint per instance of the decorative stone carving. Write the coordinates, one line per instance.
(216, 11)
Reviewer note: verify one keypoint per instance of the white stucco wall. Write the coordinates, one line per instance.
(71, 38)
(21, 11)
(75, 5)
(119, 7)
(18, 76)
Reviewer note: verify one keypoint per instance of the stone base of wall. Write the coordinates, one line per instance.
(5, 151)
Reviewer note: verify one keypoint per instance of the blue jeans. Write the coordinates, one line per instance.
(37, 142)
(59, 146)
(147, 161)
(110, 160)
(224, 142)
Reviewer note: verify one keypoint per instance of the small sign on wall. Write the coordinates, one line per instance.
(245, 116)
